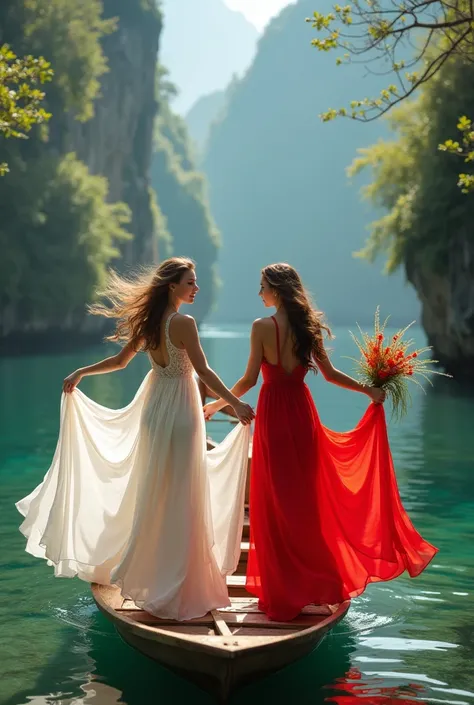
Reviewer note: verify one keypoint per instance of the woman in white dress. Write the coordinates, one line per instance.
(133, 497)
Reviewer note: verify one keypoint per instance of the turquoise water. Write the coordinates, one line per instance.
(409, 641)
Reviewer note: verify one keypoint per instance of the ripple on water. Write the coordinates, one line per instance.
(400, 644)
(82, 615)
(360, 622)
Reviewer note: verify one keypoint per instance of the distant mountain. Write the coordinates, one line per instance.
(204, 44)
(278, 186)
(201, 116)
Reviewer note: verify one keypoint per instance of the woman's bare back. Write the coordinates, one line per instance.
(287, 358)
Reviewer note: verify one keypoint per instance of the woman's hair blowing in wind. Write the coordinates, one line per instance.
(306, 324)
(138, 302)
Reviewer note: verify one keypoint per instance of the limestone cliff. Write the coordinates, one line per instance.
(117, 141)
(447, 299)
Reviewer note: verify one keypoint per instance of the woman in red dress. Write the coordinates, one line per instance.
(326, 514)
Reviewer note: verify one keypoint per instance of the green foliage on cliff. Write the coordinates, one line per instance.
(463, 147)
(20, 97)
(416, 183)
(57, 246)
(68, 34)
(182, 197)
(58, 233)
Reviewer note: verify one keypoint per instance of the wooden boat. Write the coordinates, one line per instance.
(226, 648)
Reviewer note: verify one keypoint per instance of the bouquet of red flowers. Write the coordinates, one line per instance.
(387, 363)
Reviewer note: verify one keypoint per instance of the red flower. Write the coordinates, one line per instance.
(380, 336)
(410, 357)
(383, 374)
(395, 337)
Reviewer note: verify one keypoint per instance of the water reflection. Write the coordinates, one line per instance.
(355, 686)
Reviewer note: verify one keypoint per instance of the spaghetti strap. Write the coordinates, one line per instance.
(167, 331)
(277, 339)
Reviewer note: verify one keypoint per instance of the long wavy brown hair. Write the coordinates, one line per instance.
(138, 302)
(307, 325)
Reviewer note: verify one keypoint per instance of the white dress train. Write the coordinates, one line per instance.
(133, 497)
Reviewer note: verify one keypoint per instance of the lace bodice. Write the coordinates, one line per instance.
(179, 363)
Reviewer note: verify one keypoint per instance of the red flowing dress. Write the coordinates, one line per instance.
(325, 512)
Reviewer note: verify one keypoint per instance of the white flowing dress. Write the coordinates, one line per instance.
(133, 497)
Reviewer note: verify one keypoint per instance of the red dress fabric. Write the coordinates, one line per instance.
(325, 512)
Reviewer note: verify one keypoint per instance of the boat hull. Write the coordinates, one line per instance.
(221, 677)
(219, 664)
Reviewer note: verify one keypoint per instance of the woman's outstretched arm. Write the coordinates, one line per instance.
(250, 376)
(335, 376)
(110, 364)
(189, 335)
